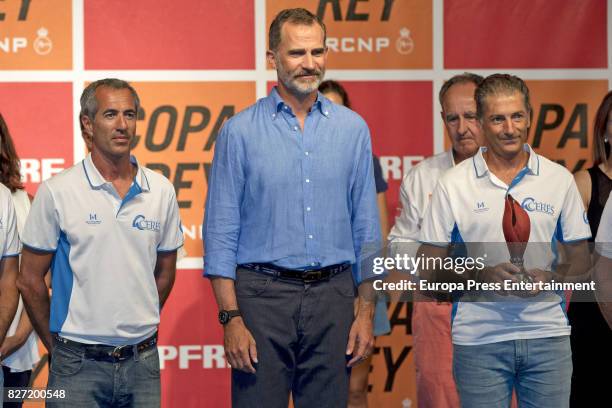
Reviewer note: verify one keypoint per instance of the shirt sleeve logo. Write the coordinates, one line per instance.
(142, 224)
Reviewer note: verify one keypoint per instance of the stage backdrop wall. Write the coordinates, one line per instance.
(196, 63)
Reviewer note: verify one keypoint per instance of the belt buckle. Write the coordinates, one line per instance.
(61, 339)
(145, 345)
(117, 353)
(312, 276)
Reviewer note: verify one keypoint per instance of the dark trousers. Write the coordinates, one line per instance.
(301, 331)
(15, 380)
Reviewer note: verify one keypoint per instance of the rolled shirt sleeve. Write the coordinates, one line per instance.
(365, 221)
(222, 214)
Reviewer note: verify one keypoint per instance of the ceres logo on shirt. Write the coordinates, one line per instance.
(141, 223)
(532, 205)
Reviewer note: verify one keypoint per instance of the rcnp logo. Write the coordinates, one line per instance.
(530, 204)
(372, 33)
(141, 223)
(35, 35)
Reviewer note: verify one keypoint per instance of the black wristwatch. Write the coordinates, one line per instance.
(226, 315)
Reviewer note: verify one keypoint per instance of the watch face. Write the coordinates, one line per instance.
(223, 317)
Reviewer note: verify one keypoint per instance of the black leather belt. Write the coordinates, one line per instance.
(307, 276)
(103, 352)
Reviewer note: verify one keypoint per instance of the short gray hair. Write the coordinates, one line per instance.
(89, 103)
(465, 78)
(293, 16)
(501, 84)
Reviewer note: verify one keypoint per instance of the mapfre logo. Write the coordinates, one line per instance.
(35, 35)
(372, 34)
(188, 356)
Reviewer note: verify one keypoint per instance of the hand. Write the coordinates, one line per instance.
(499, 274)
(10, 345)
(361, 339)
(240, 347)
(538, 275)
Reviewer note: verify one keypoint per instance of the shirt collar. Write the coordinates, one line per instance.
(451, 157)
(96, 180)
(481, 168)
(322, 104)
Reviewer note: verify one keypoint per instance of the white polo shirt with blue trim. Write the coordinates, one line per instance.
(9, 237)
(105, 251)
(468, 206)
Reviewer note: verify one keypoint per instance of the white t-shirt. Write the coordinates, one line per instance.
(103, 284)
(415, 194)
(26, 357)
(468, 206)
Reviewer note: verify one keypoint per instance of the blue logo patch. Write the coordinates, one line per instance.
(93, 219)
(585, 218)
(141, 223)
(530, 204)
(481, 207)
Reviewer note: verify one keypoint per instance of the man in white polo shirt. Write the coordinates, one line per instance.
(9, 266)
(431, 319)
(513, 342)
(109, 229)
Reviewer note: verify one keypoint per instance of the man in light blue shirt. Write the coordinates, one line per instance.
(291, 210)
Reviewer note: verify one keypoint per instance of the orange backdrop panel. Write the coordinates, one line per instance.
(35, 34)
(375, 34)
(176, 131)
